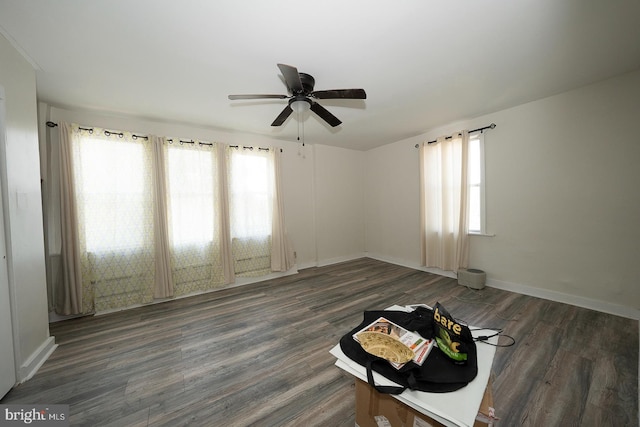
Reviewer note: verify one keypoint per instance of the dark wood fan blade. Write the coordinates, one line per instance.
(325, 114)
(258, 96)
(340, 93)
(282, 116)
(292, 77)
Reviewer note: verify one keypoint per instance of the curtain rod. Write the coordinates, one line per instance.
(106, 132)
(170, 141)
(482, 129)
(182, 141)
(248, 147)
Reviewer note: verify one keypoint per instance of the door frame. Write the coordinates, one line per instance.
(9, 376)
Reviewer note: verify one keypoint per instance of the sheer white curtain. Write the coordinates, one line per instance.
(251, 187)
(282, 257)
(68, 292)
(146, 218)
(194, 209)
(256, 212)
(164, 286)
(444, 202)
(113, 178)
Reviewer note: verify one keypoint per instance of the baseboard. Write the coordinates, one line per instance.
(307, 265)
(578, 301)
(415, 266)
(335, 260)
(396, 261)
(35, 361)
(55, 317)
(340, 259)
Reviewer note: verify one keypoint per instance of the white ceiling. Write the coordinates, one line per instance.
(423, 63)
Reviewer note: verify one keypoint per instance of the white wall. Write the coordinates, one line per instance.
(23, 214)
(339, 179)
(320, 232)
(392, 205)
(562, 197)
(299, 198)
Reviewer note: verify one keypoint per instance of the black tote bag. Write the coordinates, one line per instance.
(438, 373)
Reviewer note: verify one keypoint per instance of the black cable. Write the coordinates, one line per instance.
(483, 339)
(498, 333)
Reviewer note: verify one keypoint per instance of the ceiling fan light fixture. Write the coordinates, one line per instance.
(301, 97)
(300, 106)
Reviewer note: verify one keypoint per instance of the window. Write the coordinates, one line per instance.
(250, 193)
(191, 176)
(157, 219)
(477, 224)
(115, 234)
(114, 194)
(251, 179)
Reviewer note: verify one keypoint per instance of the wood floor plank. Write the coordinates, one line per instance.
(259, 354)
(562, 395)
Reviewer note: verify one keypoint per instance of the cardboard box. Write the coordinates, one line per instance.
(374, 409)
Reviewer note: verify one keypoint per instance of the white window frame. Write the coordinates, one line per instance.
(482, 185)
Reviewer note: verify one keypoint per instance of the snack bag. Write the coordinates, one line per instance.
(452, 337)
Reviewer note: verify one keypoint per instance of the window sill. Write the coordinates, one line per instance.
(481, 234)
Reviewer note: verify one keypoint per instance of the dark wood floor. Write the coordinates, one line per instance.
(258, 355)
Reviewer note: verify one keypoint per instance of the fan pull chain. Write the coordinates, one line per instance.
(300, 124)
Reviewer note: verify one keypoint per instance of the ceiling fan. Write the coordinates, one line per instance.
(302, 96)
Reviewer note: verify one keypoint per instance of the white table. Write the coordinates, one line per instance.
(458, 408)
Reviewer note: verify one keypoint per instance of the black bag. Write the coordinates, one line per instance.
(438, 372)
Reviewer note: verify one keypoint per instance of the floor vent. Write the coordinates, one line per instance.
(472, 278)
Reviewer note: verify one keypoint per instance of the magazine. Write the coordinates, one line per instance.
(419, 345)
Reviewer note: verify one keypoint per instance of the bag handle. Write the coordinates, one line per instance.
(384, 389)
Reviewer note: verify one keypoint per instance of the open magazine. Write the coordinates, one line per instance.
(419, 345)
